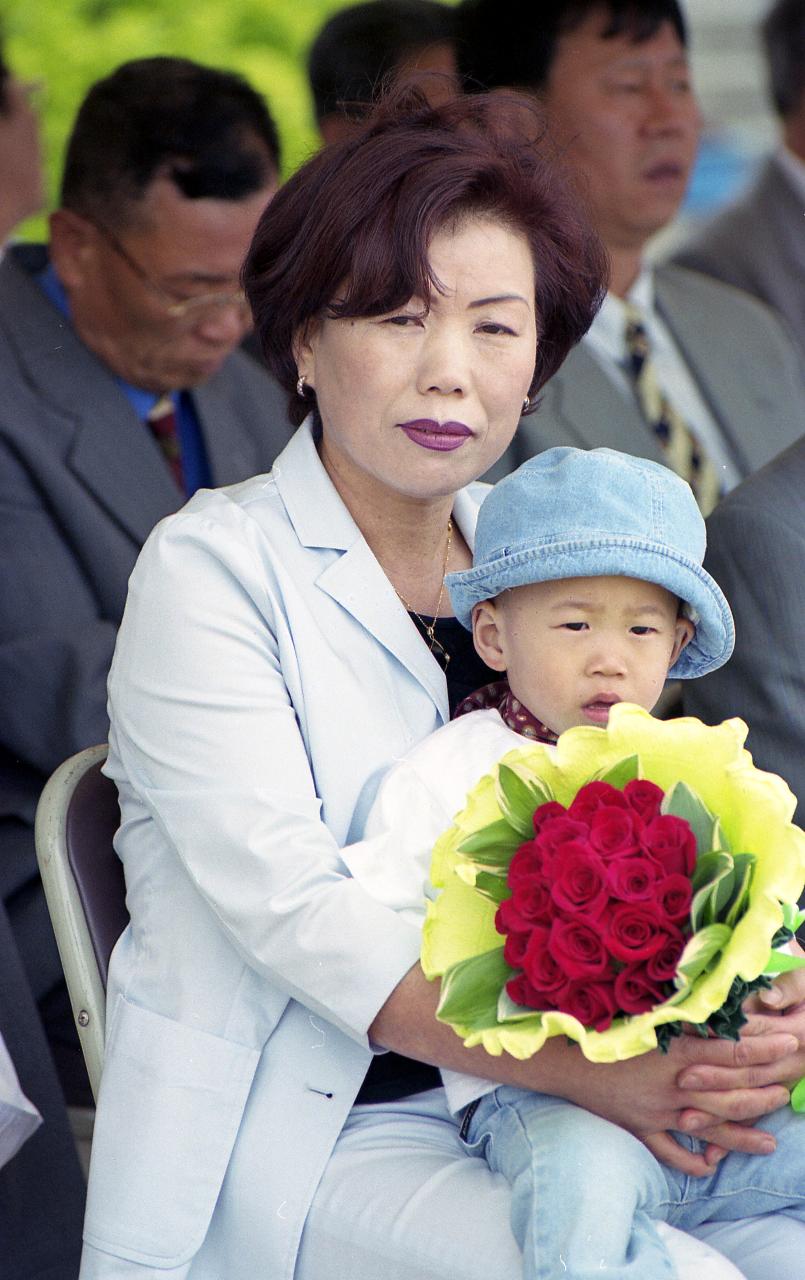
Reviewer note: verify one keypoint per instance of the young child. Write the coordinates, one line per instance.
(587, 589)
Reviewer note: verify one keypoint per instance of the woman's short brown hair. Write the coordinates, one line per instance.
(348, 234)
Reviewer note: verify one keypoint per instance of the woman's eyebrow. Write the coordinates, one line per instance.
(501, 297)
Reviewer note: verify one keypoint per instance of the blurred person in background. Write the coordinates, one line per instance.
(758, 242)
(358, 47)
(41, 1183)
(756, 545)
(21, 186)
(123, 392)
(676, 367)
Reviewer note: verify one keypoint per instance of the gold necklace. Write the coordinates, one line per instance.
(437, 649)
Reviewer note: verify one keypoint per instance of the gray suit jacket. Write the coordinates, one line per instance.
(82, 483)
(758, 244)
(756, 552)
(747, 369)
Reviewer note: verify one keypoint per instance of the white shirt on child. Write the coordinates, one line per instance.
(417, 801)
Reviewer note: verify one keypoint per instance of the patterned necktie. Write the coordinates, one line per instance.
(683, 452)
(162, 421)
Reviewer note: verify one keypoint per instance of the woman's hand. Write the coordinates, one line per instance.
(786, 993)
(643, 1094)
(646, 1096)
(654, 1092)
(780, 1008)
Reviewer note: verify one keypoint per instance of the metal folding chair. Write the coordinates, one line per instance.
(76, 820)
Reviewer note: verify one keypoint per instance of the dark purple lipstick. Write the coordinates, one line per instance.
(441, 436)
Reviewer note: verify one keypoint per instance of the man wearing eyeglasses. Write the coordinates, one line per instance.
(122, 390)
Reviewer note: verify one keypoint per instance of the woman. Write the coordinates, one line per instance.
(284, 641)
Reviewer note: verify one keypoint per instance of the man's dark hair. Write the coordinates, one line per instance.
(358, 47)
(205, 129)
(783, 33)
(513, 42)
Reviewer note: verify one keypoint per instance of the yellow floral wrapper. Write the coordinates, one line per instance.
(754, 810)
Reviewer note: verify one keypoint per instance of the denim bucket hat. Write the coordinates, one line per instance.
(582, 513)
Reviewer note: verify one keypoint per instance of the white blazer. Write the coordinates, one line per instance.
(266, 675)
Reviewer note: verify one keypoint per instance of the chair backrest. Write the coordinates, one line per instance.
(76, 820)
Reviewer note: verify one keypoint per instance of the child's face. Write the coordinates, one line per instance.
(574, 647)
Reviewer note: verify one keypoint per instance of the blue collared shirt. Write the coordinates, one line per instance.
(195, 463)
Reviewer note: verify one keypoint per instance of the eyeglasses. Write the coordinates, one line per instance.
(176, 308)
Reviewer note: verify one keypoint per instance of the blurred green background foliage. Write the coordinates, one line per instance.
(68, 44)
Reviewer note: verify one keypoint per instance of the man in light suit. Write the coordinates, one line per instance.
(613, 78)
(136, 305)
(758, 242)
(756, 553)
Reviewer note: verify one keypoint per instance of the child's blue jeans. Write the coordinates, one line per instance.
(586, 1193)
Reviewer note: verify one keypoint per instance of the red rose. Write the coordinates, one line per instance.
(526, 862)
(558, 832)
(592, 796)
(636, 991)
(522, 992)
(644, 797)
(674, 895)
(632, 879)
(578, 948)
(632, 931)
(541, 967)
(532, 901)
(578, 884)
(614, 832)
(509, 920)
(593, 1003)
(662, 966)
(514, 948)
(671, 841)
(545, 812)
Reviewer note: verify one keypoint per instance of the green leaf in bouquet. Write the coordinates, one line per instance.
(783, 962)
(700, 951)
(727, 1021)
(492, 886)
(732, 911)
(493, 845)
(518, 797)
(618, 774)
(471, 989)
(683, 802)
(715, 872)
(798, 1096)
(510, 1011)
(709, 866)
(667, 1032)
(730, 888)
(792, 917)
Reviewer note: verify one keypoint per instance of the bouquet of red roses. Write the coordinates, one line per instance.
(600, 905)
(611, 888)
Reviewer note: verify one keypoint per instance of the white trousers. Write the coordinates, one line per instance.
(402, 1200)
